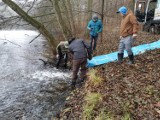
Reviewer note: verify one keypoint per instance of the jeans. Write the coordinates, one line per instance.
(126, 44)
(93, 42)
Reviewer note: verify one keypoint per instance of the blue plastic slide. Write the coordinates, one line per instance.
(102, 59)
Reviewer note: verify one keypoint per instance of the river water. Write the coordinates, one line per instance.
(28, 90)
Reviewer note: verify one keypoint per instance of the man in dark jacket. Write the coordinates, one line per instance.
(79, 61)
(128, 33)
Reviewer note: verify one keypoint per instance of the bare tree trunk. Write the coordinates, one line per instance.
(89, 10)
(90, 5)
(33, 22)
(64, 3)
(66, 32)
(102, 17)
(71, 17)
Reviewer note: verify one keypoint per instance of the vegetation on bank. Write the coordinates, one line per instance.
(124, 92)
(119, 92)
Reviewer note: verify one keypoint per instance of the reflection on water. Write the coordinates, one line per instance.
(28, 91)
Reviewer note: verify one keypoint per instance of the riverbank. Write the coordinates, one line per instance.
(116, 91)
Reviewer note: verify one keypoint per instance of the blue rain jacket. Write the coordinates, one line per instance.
(96, 27)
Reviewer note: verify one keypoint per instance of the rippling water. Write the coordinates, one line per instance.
(28, 91)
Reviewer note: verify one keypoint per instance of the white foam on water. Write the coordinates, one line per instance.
(41, 75)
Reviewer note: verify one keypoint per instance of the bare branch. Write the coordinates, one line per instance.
(10, 41)
(35, 38)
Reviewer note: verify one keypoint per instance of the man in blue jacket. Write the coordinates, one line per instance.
(95, 26)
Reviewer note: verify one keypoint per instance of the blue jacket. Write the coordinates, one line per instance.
(95, 27)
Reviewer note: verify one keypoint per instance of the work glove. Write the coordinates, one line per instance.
(134, 36)
(57, 56)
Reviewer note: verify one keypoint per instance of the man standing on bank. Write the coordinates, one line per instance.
(95, 27)
(128, 33)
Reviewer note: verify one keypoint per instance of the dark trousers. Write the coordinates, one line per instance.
(93, 42)
(61, 58)
(79, 64)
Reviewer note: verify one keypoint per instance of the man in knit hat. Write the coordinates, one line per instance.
(95, 27)
(128, 33)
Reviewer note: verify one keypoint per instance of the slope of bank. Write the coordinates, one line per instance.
(126, 91)
(116, 91)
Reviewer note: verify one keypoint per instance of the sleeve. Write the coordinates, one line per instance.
(70, 49)
(101, 26)
(86, 44)
(57, 48)
(134, 22)
(89, 25)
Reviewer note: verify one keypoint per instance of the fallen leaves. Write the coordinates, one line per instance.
(128, 90)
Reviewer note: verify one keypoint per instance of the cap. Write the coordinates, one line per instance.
(122, 10)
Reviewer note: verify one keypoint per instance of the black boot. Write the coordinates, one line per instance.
(120, 57)
(131, 58)
(73, 85)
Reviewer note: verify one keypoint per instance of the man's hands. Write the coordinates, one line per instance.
(90, 29)
(134, 36)
(57, 56)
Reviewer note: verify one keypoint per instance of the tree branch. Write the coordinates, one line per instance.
(10, 41)
(34, 38)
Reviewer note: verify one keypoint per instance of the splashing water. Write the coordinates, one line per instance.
(28, 91)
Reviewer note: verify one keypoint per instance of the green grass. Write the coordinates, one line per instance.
(104, 116)
(91, 100)
(94, 78)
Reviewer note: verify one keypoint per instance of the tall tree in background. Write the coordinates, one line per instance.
(70, 11)
(66, 14)
(66, 32)
(102, 17)
(89, 15)
(90, 10)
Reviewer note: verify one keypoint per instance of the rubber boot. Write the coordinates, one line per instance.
(120, 57)
(73, 85)
(131, 59)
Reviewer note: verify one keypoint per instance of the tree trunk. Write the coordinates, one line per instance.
(33, 22)
(102, 17)
(69, 6)
(90, 4)
(89, 10)
(68, 19)
(66, 32)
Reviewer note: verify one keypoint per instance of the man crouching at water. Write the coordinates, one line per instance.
(62, 53)
(79, 59)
